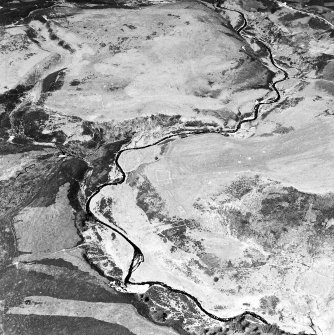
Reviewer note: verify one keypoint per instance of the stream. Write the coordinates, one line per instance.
(138, 256)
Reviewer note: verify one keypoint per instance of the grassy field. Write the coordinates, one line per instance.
(212, 215)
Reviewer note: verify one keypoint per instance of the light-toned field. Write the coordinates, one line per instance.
(302, 158)
(122, 314)
(49, 228)
(12, 164)
(177, 207)
(19, 58)
(172, 59)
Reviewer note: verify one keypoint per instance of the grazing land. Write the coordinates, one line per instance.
(166, 167)
(212, 216)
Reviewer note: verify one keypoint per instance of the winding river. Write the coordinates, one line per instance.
(138, 256)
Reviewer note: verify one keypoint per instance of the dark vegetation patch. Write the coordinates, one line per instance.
(66, 46)
(57, 262)
(309, 2)
(13, 11)
(263, 52)
(222, 114)
(160, 315)
(268, 304)
(317, 24)
(326, 86)
(7, 148)
(153, 205)
(155, 305)
(283, 130)
(106, 155)
(130, 26)
(7, 243)
(15, 193)
(328, 71)
(240, 223)
(61, 283)
(284, 61)
(166, 120)
(12, 97)
(242, 186)
(252, 5)
(95, 256)
(178, 234)
(194, 123)
(115, 272)
(160, 309)
(96, 134)
(4, 128)
(127, 129)
(147, 197)
(323, 207)
(164, 146)
(106, 209)
(315, 244)
(200, 124)
(260, 5)
(115, 48)
(53, 81)
(273, 330)
(28, 124)
(281, 211)
(112, 272)
(253, 75)
(75, 82)
(32, 34)
(75, 170)
(70, 171)
(292, 16)
(102, 3)
(99, 268)
(321, 61)
(173, 15)
(239, 325)
(39, 185)
(288, 207)
(284, 104)
(55, 325)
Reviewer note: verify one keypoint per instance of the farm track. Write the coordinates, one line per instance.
(138, 256)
